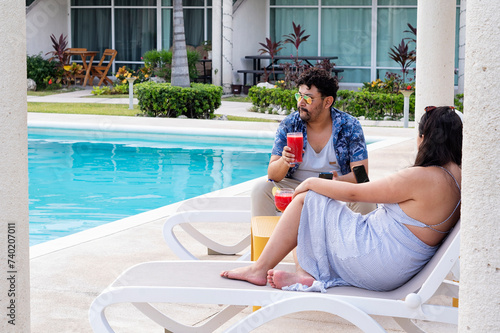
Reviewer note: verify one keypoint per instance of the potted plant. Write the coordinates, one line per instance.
(207, 47)
(236, 86)
(71, 71)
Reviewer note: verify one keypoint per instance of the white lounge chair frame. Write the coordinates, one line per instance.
(208, 210)
(199, 282)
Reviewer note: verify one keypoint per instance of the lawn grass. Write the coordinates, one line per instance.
(108, 96)
(52, 92)
(84, 108)
(258, 120)
(235, 98)
(107, 110)
(112, 109)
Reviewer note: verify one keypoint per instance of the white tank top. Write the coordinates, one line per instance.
(314, 163)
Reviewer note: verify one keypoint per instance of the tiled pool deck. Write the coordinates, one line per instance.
(68, 273)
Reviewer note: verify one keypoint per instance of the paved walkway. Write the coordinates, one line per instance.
(68, 273)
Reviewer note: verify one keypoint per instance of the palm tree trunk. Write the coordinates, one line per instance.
(180, 69)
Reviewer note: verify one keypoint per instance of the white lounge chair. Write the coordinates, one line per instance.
(199, 282)
(208, 210)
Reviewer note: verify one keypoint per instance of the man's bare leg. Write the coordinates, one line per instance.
(282, 241)
(279, 279)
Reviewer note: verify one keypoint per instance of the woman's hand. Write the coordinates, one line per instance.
(303, 187)
(314, 184)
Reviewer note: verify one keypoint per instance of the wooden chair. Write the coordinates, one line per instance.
(101, 70)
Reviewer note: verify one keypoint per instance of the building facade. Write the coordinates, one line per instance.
(359, 32)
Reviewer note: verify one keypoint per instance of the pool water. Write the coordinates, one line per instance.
(79, 179)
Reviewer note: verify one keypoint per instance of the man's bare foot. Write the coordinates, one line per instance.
(279, 279)
(247, 273)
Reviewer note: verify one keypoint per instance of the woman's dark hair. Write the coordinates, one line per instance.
(326, 84)
(441, 129)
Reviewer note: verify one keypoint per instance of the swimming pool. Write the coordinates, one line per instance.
(80, 179)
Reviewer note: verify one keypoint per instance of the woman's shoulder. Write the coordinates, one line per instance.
(433, 174)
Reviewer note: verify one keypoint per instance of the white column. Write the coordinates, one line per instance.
(435, 54)
(216, 42)
(461, 46)
(227, 45)
(480, 240)
(14, 228)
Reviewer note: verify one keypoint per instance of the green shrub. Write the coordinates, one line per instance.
(164, 100)
(459, 102)
(370, 105)
(120, 89)
(160, 63)
(104, 90)
(41, 71)
(264, 98)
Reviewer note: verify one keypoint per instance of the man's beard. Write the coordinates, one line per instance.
(304, 115)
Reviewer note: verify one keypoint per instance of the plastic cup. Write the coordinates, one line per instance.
(282, 198)
(295, 141)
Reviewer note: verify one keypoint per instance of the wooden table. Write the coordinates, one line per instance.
(87, 66)
(257, 70)
(257, 58)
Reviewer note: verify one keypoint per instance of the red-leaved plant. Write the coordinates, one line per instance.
(60, 48)
(403, 57)
(296, 38)
(272, 48)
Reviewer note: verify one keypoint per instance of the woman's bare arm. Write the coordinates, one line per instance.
(400, 187)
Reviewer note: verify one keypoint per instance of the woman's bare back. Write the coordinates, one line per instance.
(434, 200)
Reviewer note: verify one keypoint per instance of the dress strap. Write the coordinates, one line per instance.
(454, 210)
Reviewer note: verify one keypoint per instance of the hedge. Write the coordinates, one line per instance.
(267, 98)
(370, 105)
(160, 62)
(163, 100)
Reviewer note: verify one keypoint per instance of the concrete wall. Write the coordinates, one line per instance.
(255, 32)
(46, 17)
(480, 241)
(14, 224)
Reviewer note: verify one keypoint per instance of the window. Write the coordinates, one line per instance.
(136, 28)
(360, 32)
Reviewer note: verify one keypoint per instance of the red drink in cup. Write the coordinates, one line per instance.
(282, 198)
(295, 141)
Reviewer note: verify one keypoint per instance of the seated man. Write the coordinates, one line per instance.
(333, 142)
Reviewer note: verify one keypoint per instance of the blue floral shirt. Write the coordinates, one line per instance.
(348, 138)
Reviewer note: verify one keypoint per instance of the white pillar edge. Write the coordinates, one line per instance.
(479, 297)
(14, 206)
(217, 42)
(227, 45)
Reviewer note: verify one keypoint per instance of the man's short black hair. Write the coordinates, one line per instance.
(326, 84)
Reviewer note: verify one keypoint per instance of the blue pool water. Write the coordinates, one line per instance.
(80, 179)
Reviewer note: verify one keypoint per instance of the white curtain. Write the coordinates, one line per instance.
(91, 28)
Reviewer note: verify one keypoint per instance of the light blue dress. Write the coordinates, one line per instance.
(375, 251)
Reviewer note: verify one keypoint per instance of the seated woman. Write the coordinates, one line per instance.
(383, 249)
